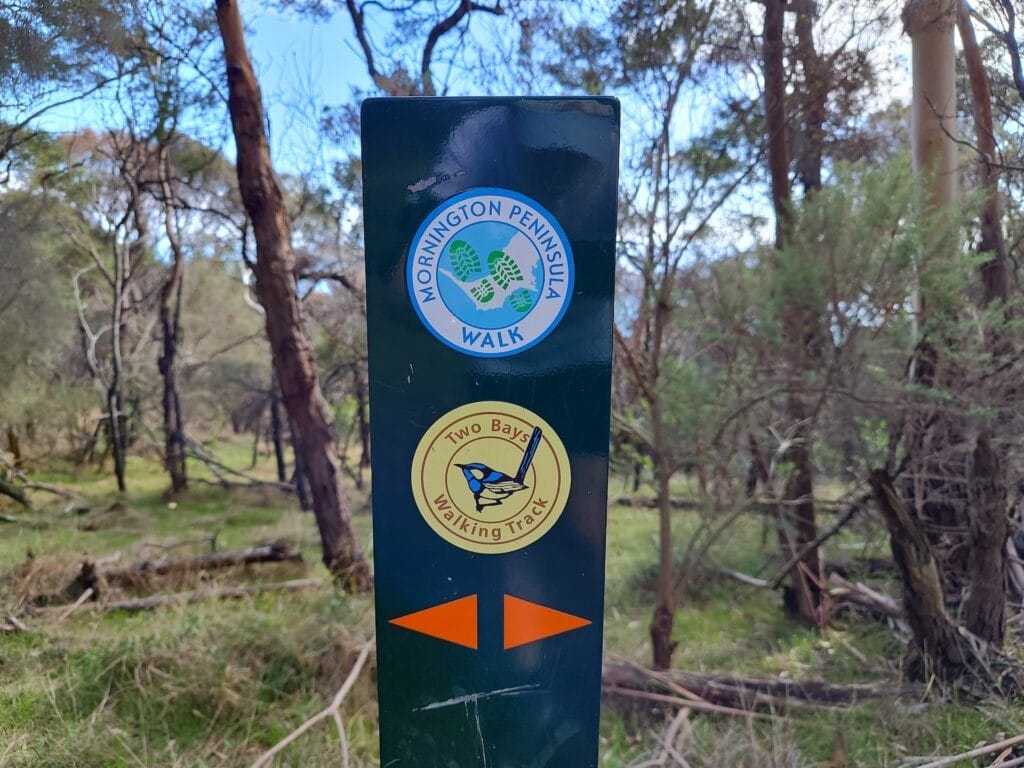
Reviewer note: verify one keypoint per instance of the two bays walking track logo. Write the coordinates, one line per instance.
(491, 477)
(490, 272)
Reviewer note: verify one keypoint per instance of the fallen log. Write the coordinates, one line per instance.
(748, 693)
(864, 597)
(97, 579)
(274, 552)
(181, 598)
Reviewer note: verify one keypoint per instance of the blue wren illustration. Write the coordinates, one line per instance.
(491, 487)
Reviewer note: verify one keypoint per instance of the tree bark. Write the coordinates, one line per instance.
(276, 290)
(170, 331)
(276, 427)
(984, 608)
(299, 479)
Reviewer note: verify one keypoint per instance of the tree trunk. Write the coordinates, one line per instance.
(814, 98)
(995, 272)
(775, 115)
(663, 618)
(275, 287)
(796, 513)
(929, 23)
(985, 604)
(936, 441)
(170, 330)
(115, 397)
(984, 609)
(943, 651)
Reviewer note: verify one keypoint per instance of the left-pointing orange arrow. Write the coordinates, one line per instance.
(454, 622)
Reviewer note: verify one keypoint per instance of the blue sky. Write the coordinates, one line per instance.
(302, 63)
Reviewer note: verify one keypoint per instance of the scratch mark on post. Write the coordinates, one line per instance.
(480, 732)
(474, 697)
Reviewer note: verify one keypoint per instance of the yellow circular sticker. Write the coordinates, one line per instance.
(490, 477)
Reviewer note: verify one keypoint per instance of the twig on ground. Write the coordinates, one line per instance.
(75, 605)
(333, 710)
(668, 744)
(751, 581)
(662, 698)
(1017, 761)
(15, 623)
(979, 752)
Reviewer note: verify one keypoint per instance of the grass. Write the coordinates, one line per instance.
(215, 684)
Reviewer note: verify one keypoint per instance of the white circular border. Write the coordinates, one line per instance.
(435, 314)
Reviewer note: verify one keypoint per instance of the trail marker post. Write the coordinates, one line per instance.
(490, 264)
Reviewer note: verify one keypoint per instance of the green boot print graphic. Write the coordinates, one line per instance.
(520, 300)
(504, 269)
(465, 262)
(483, 292)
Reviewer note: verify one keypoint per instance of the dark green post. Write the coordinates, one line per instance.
(490, 265)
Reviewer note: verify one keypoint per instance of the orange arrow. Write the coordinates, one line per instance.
(526, 622)
(454, 622)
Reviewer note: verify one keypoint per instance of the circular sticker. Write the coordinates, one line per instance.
(490, 272)
(490, 477)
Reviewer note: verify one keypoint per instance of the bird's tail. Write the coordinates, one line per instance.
(531, 448)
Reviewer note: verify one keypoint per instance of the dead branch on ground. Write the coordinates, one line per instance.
(979, 752)
(333, 710)
(743, 694)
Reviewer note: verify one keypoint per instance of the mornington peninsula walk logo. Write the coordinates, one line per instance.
(490, 477)
(490, 272)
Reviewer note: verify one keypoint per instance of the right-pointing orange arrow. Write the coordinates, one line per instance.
(526, 622)
(454, 622)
